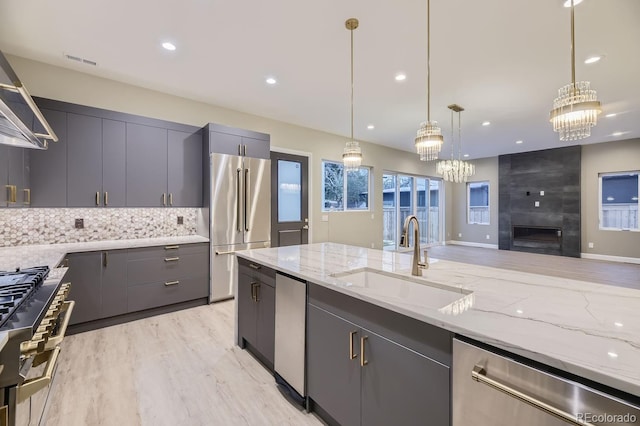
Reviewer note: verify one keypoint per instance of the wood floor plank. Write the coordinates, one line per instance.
(180, 368)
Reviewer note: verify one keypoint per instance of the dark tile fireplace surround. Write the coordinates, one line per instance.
(552, 179)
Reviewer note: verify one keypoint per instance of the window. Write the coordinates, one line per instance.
(619, 201)
(478, 203)
(336, 189)
(404, 195)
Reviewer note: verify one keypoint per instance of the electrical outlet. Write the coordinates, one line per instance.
(537, 204)
(180, 220)
(488, 238)
(459, 235)
(371, 216)
(590, 245)
(325, 218)
(542, 193)
(79, 224)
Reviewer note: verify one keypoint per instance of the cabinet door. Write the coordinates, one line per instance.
(4, 175)
(85, 270)
(266, 321)
(84, 161)
(16, 175)
(185, 169)
(114, 283)
(247, 310)
(114, 169)
(333, 378)
(256, 148)
(49, 167)
(146, 166)
(401, 386)
(224, 143)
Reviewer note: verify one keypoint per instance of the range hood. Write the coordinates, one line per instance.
(18, 113)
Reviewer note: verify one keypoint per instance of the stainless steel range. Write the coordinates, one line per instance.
(34, 315)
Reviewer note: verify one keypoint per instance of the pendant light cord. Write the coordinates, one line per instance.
(452, 138)
(573, 50)
(428, 64)
(351, 84)
(459, 135)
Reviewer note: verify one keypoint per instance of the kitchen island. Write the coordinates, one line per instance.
(586, 329)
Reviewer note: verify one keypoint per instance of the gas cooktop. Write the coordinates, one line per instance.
(17, 287)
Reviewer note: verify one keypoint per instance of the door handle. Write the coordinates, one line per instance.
(352, 355)
(305, 227)
(244, 150)
(164, 199)
(479, 374)
(171, 199)
(253, 291)
(106, 198)
(239, 149)
(27, 196)
(171, 259)
(247, 196)
(168, 283)
(363, 360)
(105, 259)
(97, 198)
(238, 170)
(257, 292)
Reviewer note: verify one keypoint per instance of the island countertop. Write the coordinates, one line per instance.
(587, 329)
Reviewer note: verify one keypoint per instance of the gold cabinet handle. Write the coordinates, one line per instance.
(171, 247)
(171, 259)
(164, 199)
(31, 386)
(363, 360)
(105, 259)
(253, 266)
(97, 198)
(257, 292)
(11, 193)
(254, 291)
(168, 283)
(27, 196)
(171, 199)
(352, 355)
(106, 198)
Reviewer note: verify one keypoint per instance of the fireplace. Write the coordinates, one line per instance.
(539, 238)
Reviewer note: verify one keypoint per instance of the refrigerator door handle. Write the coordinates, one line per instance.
(247, 196)
(238, 199)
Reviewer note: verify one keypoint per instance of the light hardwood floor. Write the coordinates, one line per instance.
(180, 368)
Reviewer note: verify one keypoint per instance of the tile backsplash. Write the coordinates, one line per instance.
(57, 225)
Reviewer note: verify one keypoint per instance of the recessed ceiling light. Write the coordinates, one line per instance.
(567, 3)
(271, 80)
(520, 311)
(371, 127)
(612, 354)
(401, 77)
(613, 114)
(486, 123)
(169, 46)
(618, 324)
(592, 59)
(466, 155)
(518, 142)
(617, 133)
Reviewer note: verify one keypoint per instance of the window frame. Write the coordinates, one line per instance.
(600, 211)
(345, 207)
(469, 222)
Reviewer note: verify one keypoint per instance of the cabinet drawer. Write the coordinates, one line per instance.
(163, 293)
(168, 267)
(168, 250)
(257, 272)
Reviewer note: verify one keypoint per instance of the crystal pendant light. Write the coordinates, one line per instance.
(575, 110)
(455, 170)
(352, 154)
(429, 136)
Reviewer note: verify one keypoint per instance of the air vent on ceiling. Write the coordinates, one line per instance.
(81, 60)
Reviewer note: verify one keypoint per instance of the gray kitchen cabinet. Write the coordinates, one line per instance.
(49, 167)
(333, 375)
(225, 143)
(256, 310)
(114, 154)
(84, 160)
(256, 148)
(15, 167)
(229, 140)
(370, 366)
(184, 170)
(98, 284)
(4, 175)
(146, 166)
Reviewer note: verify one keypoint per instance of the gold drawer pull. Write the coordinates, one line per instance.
(352, 355)
(363, 360)
(31, 386)
(168, 283)
(27, 196)
(106, 198)
(171, 259)
(11, 193)
(97, 198)
(256, 267)
(171, 247)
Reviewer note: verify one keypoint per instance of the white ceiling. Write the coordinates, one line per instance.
(502, 60)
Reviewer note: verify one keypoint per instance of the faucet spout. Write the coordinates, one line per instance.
(416, 265)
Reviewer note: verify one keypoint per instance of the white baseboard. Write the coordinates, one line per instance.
(470, 244)
(610, 258)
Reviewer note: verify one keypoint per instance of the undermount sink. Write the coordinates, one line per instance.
(446, 299)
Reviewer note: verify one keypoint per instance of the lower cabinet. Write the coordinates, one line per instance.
(98, 284)
(106, 284)
(363, 377)
(256, 310)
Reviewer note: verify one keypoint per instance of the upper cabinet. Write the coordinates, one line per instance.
(111, 159)
(228, 140)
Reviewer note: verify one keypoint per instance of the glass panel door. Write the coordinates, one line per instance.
(405, 190)
(289, 191)
(435, 214)
(389, 212)
(422, 208)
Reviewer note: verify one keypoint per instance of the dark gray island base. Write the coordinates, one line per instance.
(367, 365)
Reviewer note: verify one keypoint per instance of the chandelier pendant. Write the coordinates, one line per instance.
(352, 154)
(453, 170)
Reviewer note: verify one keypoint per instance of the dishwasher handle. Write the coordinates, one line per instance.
(479, 374)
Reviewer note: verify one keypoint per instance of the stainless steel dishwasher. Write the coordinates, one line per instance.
(494, 390)
(291, 301)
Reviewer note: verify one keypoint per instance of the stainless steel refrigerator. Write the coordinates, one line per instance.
(240, 215)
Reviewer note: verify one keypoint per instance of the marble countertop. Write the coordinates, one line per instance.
(588, 329)
(52, 254)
